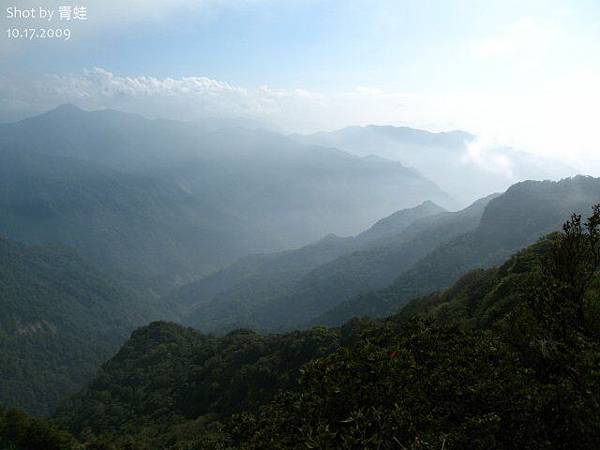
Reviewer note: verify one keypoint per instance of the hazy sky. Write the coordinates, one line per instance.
(523, 73)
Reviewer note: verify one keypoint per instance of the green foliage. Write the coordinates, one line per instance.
(418, 386)
(506, 358)
(21, 432)
(145, 229)
(290, 289)
(61, 318)
(510, 222)
(168, 378)
(456, 379)
(167, 202)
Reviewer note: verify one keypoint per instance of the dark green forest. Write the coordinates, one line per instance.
(506, 358)
(429, 330)
(336, 279)
(165, 202)
(299, 225)
(19, 431)
(61, 318)
(109, 221)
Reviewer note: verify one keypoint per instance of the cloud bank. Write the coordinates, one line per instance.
(557, 119)
(191, 98)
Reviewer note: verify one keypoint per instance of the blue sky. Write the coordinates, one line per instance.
(521, 72)
(306, 43)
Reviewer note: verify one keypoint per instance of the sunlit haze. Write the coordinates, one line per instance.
(522, 74)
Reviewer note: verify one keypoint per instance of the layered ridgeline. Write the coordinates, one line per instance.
(289, 290)
(61, 318)
(521, 215)
(503, 359)
(170, 201)
(140, 227)
(460, 163)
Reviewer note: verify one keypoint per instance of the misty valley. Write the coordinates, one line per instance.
(216, 284)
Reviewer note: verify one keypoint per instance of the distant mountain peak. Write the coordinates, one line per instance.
(66, 108)
(62, 113)
(445, 157)
(401, 220)
(405, 131)
(377, 158)
(329, 238)
(429, 204)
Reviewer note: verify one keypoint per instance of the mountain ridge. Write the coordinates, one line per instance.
(538, 206)
(461, 163)
(61, 319)
(370, 260)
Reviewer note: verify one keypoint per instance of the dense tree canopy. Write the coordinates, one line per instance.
(506, 358)
(61, 318)
(21, 432)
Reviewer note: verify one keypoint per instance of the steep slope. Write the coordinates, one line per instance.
(537, 207)
(483, 296)
(456, 160)
(119, 140)
(18, 431)
(399, 221)
(60, 319)
(272, 300)
(256, 279)
(139, 226)
(369, 268)
(299, 193)
(293, 193)
(277, 272)
(166, 374)
(498, 360)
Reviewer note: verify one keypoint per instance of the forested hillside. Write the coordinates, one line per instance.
(511, 221)
(300, 225)
(167, 374)
(374, 275)
(19, 431)
(136, 226)
(170, 201)
(505, 358)
(247, 293)
(61, 318)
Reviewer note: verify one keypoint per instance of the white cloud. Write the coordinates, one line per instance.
(195, 97)
(483, 153)
(556, 118)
